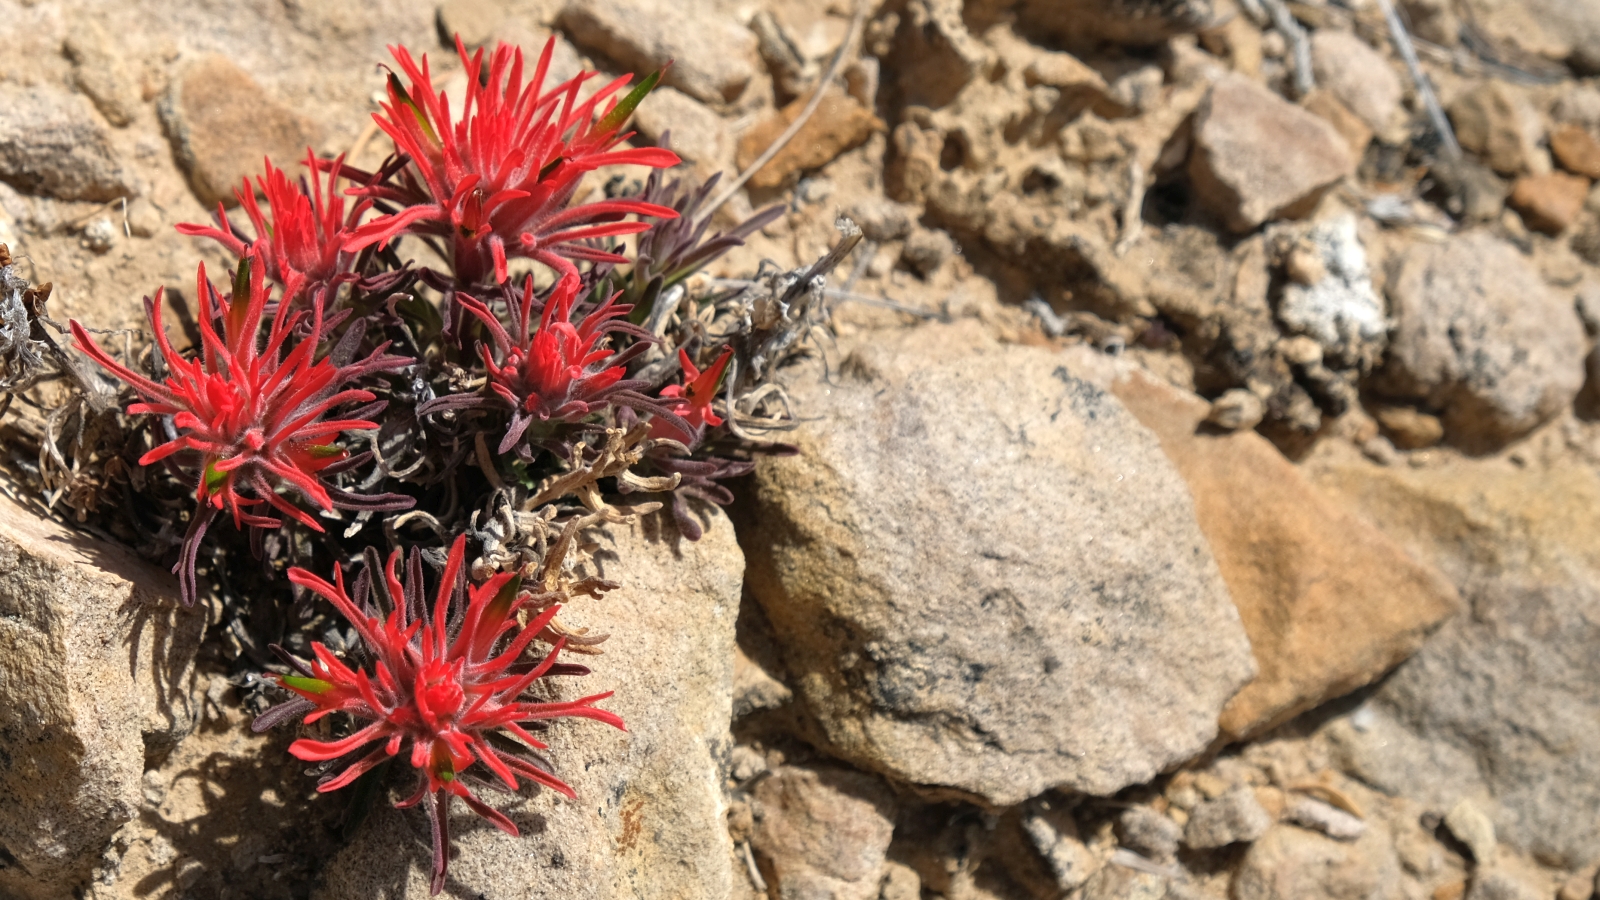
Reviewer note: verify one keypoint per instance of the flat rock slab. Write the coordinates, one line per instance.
(96, 665)
(649, 819)
(986, 575)
(1502, 706)
(1330, 603)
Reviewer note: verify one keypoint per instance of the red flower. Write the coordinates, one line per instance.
(303, 245)
(693, 398)
(560, 371)
(496, 181)
(443, 692)
(253, 414)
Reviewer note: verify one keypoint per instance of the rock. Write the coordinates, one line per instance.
(825, 832)
(1330, 820)
(1340, 309)
(1288, 863)
(840, 123)
(221, 123)
(1479, 336)
(1054, 834)
(697, 134)
(1329, 602)
(1113, 586)
(1433, 20)
(1149, 833)
(1471, 827)
(99, 665)
(926, 250)
(1496, 121)
(1134, 23)
(713, 57)
(1323, 104)
(1258, 157)
(1118, 883)
(474, 21)
(101, 71)
(649, 818)
(52, 144)
(1549, 203)
(900, 882)
(1576, 149)
(1495, 884)
(1235, 817)
(1474, 192)
(1409, 428)
(1358, 75)
(1236, 409)
(754, 688)
(1501, 706)
(882, 220)
(940, 56)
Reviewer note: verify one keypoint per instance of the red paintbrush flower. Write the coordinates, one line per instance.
(496, 181)
(303, 244)
(254, 414)
(693, 397)
(442, 691)
(558, 372)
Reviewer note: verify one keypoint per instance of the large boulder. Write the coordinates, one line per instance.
(649, 818)
(1330, 603)
(96, 668)
(1479, 336)
(1502, 706)
(986, 575)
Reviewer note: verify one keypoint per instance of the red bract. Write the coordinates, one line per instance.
(303, 244)
(496, 182)
(443, 693)
(559, 372)
(692, 399)
(253, 414)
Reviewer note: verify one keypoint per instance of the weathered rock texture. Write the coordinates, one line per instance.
(648, 821)
(824, 832)
(712, 55)
(221, 123)
(1502, 706)
(96, 664)
(1481, 337)
(997, 589)
(1258, 157)
(1329, 602)
(51, 143)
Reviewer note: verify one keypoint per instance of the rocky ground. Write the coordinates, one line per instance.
(1197, 495)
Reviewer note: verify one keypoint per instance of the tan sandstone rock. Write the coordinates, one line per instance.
(96, 665)
(1329, 602)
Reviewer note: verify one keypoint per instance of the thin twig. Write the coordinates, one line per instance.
(856, 22)
(1402, 43)
(1304, 80)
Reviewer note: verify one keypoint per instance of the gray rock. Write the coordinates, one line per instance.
(102, 70)
(1340, 310)
(881, 220)
(712, 55)
(221, 123)
(926, 250)
(51, 143)
(98, 671)
(1501, 706)
(1330, 820)
(1480, 336)
(1055, 835)
(1258, 157)
(1136, 23)
(1358, 75)
(1075, 631)
(825, 832)
(698, 134)
(1289, 863)
(1232, 818)
(649, 821)
(1149, 833)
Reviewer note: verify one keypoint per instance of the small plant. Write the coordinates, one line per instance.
(476, 416)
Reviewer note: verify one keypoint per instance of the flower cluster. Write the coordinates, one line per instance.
(538, 373)
(438, 690)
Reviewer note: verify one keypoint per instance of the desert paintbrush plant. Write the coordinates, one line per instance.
(455, 696)
(341, 397)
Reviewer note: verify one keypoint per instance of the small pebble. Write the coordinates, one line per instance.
(1328, 819)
